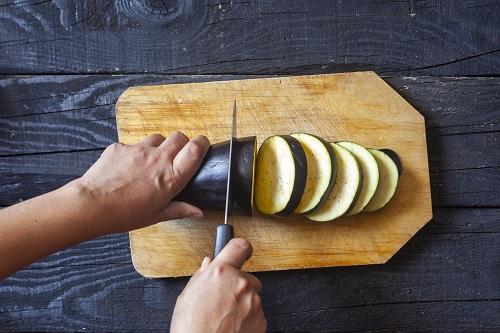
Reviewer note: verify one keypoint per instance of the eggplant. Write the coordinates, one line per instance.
(321, 171)
(369, 169)
(207, 188)
(280, 175)
(345, 191)
(395, 158)
(388, 182)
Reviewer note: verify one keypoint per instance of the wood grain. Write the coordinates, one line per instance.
(451, 106)
(445, 37)
(355, 106)
(443, 279)
(94, 287)
(461, 118)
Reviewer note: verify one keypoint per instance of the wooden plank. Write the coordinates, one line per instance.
(39, 94)
(444, 278)
(464, 220)
(191, 37)
(59, 131)
(453, 105)
(471, 187)
(379, 318)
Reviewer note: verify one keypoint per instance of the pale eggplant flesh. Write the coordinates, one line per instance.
(280, 176)
(370, 174)
(346, 188)
(321, 171)
(388, 182)
(207, 188)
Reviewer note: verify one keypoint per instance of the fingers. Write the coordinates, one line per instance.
(254, 282)
(261, 325)
(178, 210)
(153, 140)
(188, 160)
(236, 252)
(174, 143)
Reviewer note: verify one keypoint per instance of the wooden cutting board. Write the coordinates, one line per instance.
(359, 107)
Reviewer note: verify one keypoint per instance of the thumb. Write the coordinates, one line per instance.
(178, 210)
(236, 252)
(204, 264)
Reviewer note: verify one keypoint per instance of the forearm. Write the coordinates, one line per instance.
(129, 187)
(43, 225)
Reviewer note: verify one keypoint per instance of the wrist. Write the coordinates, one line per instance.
(81, 207)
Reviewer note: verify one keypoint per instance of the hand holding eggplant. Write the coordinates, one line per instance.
(131, 186)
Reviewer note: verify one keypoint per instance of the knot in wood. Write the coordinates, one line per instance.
(155, 12)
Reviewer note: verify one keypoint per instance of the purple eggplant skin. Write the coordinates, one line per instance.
(207, 188)
(395, 158)
(244, 154)
(300, 161)
(333, 178)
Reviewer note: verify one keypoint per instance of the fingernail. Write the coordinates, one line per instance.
(241, 242)
(197, 215)
(204, 139)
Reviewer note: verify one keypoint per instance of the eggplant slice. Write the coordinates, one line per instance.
(207, 188)
(280, 176)
(395, 158)
(369, 170)
(321, 171)
(388, 181)
(347, 187)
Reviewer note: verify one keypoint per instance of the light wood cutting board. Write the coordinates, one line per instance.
(359, 107)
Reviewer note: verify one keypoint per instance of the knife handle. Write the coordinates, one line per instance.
(223, 235)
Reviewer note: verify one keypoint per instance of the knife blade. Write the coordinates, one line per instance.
(224, 232)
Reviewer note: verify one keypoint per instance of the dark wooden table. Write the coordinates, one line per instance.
(64, 63)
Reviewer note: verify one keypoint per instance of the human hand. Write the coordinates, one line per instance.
(131, 186)
(219, 297)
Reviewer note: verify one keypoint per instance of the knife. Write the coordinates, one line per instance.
(224, 232)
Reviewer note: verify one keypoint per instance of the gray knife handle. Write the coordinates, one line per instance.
(223, 235)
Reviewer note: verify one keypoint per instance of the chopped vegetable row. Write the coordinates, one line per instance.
(302, 173)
